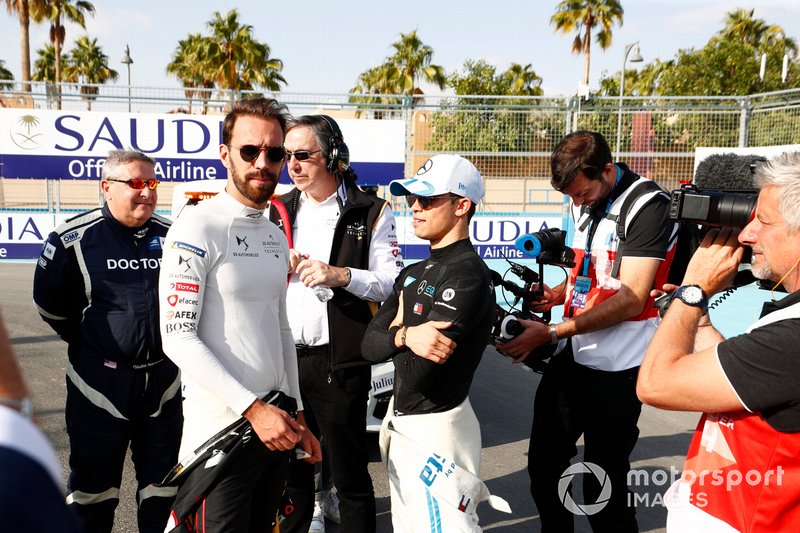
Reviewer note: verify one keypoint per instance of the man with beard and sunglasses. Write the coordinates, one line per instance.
(96, 285)
(224, 323)
(344, 242)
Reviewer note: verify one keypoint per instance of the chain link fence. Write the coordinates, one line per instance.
(508, 138)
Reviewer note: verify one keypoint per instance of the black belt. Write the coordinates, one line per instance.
(304, 350)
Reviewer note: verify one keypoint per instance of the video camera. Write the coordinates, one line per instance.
(722, 196)
(715, 208)
(547, 247)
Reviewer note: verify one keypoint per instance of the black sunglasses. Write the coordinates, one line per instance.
(250, 152)
(138, 184)
(300, 155)
(426, 201)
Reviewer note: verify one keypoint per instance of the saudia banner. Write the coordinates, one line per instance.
(73, 145)
(22, 234)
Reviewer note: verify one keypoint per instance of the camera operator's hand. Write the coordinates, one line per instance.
(550, 298)
(667, 288)
(534, 334)
(716, 262)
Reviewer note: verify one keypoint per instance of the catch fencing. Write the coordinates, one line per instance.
(508, 138)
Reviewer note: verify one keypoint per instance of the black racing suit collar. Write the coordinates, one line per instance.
(134, 233)
(437, 254)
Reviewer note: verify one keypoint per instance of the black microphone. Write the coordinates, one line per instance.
(510, 286)
(727, 171)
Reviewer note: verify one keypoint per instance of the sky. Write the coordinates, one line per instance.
(325, 45)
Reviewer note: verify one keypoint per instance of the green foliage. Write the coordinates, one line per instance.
(57, 12)
(487, 124)
(229, 58)
(45, 66)
(728, 65)
(583, 16)
(5, 74)
(400, 74)
(88, 64)
(480, 78)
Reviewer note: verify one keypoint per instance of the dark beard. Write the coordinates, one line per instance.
(257, 196)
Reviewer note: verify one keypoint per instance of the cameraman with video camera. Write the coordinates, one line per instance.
(742, 471)
(589, 387)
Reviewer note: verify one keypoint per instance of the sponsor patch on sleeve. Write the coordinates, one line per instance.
(49, 250)
(156, 243)
(196, 250)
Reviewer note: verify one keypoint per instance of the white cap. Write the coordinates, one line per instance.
(442, 174)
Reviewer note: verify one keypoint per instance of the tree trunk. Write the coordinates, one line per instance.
(25, 45)
(57, 43)
(587, 54)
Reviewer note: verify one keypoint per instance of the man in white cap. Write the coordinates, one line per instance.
(436, 325)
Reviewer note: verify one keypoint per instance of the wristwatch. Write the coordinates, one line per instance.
(693, 295)
(553, 334)
(24, 406)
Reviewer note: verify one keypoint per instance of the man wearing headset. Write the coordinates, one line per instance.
(345, 258)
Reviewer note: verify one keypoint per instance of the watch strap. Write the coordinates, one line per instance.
(701, 304)
(553, 334)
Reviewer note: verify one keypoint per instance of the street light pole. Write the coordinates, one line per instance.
(636, 58)
(126, 60)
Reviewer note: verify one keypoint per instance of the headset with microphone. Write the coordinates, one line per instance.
(338, 153)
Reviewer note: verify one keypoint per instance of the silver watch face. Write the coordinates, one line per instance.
(691, 295)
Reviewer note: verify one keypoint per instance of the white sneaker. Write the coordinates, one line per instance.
(330, 507)
(317, 520)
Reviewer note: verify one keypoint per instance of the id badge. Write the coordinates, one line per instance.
(581, 292)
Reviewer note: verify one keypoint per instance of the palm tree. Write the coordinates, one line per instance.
(583, 16)
(88, 65)
(236, 60)
(57, 12)
(380, 81)
(522, 80)
(45, 67)
(22, 9)
(5, 74)
(188, 65)
(741, 26)
(412, 58)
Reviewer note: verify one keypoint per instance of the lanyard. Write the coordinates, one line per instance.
(587, 256)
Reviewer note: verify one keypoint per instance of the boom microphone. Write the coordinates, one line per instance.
(727, 171)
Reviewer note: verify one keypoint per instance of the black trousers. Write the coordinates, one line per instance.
(573, 400)
(335, 408)
(99, 441)
(246, 498)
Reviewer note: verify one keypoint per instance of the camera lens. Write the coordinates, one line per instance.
(734, 210)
